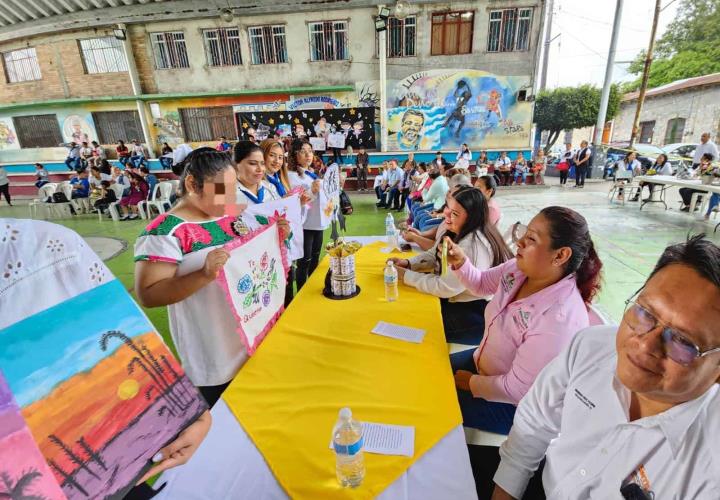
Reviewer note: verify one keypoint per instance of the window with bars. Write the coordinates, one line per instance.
(170, 50)
(267, 44)
(114, 126)
(647, 129)
(222, 47)
(401, 37)
(21, 65)
(452, 33)
(675, 130)
(208, 124)
(509, 30)
(38, 131)
(103, 55)
(329, 41)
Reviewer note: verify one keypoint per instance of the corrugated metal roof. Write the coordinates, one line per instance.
(677, 86)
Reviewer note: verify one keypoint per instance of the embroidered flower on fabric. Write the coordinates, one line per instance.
(13, 270)
(9, 234)
(55, 246)
(226, 224)
(190, 234)
(507, 282)
(245, 284)
(156, 222)
(97, 273)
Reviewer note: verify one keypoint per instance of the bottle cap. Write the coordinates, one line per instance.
(345, 414)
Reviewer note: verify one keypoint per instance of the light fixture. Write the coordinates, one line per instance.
(227, 15)
(402, 9)
(380, 24)
(119, 33)
(384, 13)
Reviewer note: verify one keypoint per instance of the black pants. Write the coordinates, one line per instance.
(403, 197)
(686, 195)
(362, 177)
(290, 287)
(463, 322)
(563, 177)
(379, 193)
(505, 178)
(5, 191)
(312, 246)
(211, 393)
(580, 173)
(337, 156)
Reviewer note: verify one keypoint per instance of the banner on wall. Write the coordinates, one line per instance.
(357, 124)
(443, 109)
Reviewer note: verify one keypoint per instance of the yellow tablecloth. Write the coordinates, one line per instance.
(320, 357)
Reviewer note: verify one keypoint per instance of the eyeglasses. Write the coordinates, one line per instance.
(518, 231)
(677, 346)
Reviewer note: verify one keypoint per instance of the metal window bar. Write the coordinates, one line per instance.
(207, 124)
(21, 65)
(222, 47)
(494, 31)
(522, 39)
(103, 55)
(328, 41)
(113, 126)
(170, 50)
(409, 34)
(38, 131)
(508, 31)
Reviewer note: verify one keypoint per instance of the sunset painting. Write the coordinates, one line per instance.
(98, 389)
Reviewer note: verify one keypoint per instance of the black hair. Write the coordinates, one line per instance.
(490, 183)
(707, 156)
(95, 169)
(295, 146)
(569, 229)
(434, 174)
(422, 165)
(145, 170)
(243, 149)
(105, 184)
(658, 157)
(478, 218)
(696, 252)
(627, 155)
(203, 163)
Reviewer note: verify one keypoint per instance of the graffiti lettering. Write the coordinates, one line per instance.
(514, 129)
(412, 79)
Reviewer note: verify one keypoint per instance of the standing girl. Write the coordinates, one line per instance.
(250, 166)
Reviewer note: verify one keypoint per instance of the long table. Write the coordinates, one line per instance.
(667, 181)
(393, 382)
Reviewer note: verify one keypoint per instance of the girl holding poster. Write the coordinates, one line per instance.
(300, 158)
(178, 258)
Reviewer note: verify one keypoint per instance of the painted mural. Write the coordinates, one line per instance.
(442, 109)
(78, 128)
(8, 137)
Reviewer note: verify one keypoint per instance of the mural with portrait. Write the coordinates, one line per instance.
(356, 123)
(77, 128)
(442, 109)
(8, 136)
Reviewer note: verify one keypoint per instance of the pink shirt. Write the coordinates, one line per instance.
(522, 336)
(495, 212)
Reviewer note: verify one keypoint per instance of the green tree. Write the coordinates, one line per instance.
(689, 47)
(567, 108)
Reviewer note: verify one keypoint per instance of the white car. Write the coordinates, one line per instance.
(680, 152)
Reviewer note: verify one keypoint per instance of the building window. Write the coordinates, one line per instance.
(675, 130)
(401, 37)
(21, 65)
(509, 30)
(646, 132)
(328, 41)
(452, 33)
(38, 131)
(267, 44)
(208, 124)
(222, 47)
(103, 55)
(114, 126)
(169, 50)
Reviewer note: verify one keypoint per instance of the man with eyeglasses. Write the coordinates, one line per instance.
(631, 411)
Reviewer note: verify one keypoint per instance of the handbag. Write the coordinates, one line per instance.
(562, 166)
(59, 198)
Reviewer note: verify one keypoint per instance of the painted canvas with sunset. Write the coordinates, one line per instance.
(98, 389)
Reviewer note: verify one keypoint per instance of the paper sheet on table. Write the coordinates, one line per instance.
(399, 332)
(387, 439)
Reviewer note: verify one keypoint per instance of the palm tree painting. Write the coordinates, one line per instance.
(100, 355)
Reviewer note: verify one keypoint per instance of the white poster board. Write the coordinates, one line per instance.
(317, 143)
(336, 140)
(290, 208)
(329, 195)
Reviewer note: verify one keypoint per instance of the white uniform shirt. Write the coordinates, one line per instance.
(708, 147)
(270, 191)
(312, 218)
(501, 162)
(576, 414)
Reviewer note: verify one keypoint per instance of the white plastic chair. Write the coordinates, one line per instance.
(112, 208)
(143, 208)
(623, 180)
(160, 199)
(41, 202)
(64, 208)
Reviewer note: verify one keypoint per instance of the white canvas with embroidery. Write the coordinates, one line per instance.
(329, 195)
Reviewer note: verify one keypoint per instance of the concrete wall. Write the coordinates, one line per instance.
(700, 108)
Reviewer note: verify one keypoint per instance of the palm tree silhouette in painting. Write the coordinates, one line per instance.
(16, 490)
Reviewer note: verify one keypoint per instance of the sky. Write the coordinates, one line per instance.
(579, 54)
(38, 353)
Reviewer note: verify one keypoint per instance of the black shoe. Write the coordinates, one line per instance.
(685, 209)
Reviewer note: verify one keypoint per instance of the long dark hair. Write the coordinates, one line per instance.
(478, 218)
(569, 229)
(657, 160)
(295, 146)
(243, 149)
(203, 163)
(490, 184)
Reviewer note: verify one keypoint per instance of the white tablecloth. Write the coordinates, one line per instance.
(228, 466)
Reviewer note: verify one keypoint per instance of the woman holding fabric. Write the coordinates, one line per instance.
(539, 303)
(467, 224)
(300, 159)
(178, 258)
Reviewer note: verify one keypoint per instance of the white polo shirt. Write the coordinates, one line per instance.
(708, 147)
(576, 414)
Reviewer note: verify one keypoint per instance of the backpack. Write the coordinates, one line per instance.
(345, 204)
(59, 197)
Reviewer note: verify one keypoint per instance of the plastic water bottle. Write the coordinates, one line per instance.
(391, 282)
(391, 234)
(348, 444)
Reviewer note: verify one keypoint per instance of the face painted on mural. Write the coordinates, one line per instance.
(411, 128)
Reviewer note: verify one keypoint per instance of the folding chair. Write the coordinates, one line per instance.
(41, 202)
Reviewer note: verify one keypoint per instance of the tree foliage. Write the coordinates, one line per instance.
(689, 47)
(568, 108)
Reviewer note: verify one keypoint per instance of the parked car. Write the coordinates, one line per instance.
(681, 152)
(646, 155)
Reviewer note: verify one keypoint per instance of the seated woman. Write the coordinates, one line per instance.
(629, 163)
(686, 193)
(662, 167)
(521, 169)
(539, 166)
(540, 302)
(434, 199)
(108, 197)
(468, 225)
(138, 192)
(487, 186)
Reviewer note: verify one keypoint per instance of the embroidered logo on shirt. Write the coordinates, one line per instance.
(521, 319)
(584, 400)
(507, 282)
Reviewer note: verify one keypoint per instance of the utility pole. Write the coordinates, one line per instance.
(646, 75)
(382, 42)
(605, 96)
(548, 41)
